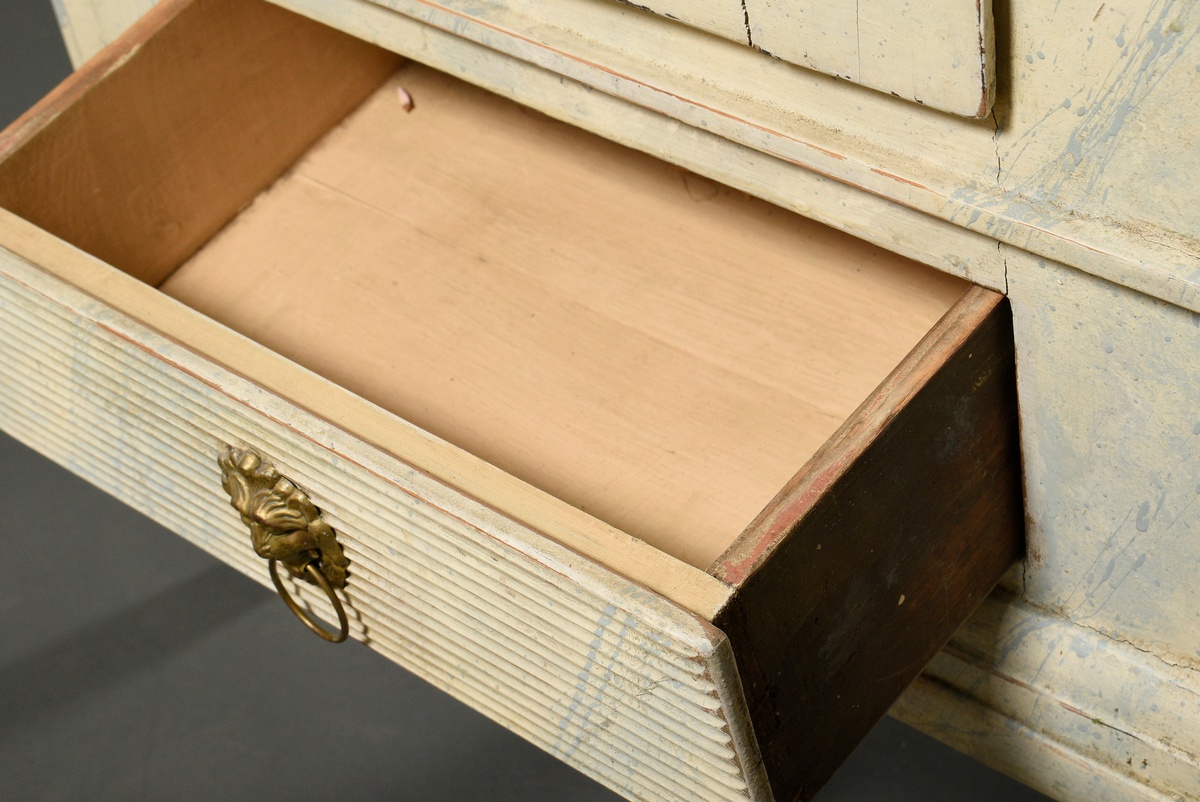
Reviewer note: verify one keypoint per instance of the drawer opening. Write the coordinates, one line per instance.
(655, 349)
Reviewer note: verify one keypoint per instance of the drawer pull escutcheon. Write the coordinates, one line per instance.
(286, 527)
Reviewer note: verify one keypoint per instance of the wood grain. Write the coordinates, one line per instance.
(161, 139)
(692, 588)
(283, 386)
(863, 567)
(609, 677)
(1010, 178)
(651, 347)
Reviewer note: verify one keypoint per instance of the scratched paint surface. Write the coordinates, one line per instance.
(1064, 708)
(1102, 127)
(1110, 399)
(933, 53)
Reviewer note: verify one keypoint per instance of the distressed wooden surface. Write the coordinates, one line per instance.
(1089, 88)
(1068, 710)
(1111, 435)
(864, 214)
(691, 587)
(1087, 159)
(939, 54)
(725, 18)
(609, 677)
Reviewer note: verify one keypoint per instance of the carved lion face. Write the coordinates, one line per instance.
(279, 515)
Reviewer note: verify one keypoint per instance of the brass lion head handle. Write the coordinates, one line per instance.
(286, 527)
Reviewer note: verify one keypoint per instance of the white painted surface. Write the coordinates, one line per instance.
(1062, 707)
(1065, 709)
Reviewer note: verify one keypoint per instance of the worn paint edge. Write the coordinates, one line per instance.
(965, 699)
(725, 677)
(754, 546)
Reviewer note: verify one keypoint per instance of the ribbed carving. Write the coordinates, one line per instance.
(601, 673)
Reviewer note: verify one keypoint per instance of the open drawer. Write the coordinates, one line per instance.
(591, 430)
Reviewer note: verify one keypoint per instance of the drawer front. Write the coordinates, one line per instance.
(939, 54)
(600, 672)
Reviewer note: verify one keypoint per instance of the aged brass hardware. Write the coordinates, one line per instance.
(286, 527)
(314, 575)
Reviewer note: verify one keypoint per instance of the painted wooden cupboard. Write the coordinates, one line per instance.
(1069, 187)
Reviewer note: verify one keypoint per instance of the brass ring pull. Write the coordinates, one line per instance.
(318, 579)
(286, 526)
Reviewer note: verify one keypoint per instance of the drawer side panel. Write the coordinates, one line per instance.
(899, 528)
(602, 673)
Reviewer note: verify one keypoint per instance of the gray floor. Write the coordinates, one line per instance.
(132, 666)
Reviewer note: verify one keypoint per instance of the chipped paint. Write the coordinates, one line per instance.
(1112, 457)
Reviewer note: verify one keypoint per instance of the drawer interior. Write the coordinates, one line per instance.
(657, 350)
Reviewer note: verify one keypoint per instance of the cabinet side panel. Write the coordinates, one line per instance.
(598, 671)
(869, 584)
(1111, 428)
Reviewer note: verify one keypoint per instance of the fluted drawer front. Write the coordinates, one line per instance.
(596, 670)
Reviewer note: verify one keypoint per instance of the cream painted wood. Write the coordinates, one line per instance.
(725, 18)
(1111, 433)
(614, 679)
(1068, 710)
(864, 214)
(1009, 178)
(939, 54)
(1086, 160)
(1088, 84)
(88, 25)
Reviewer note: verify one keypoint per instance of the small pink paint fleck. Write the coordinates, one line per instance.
(406, 101)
